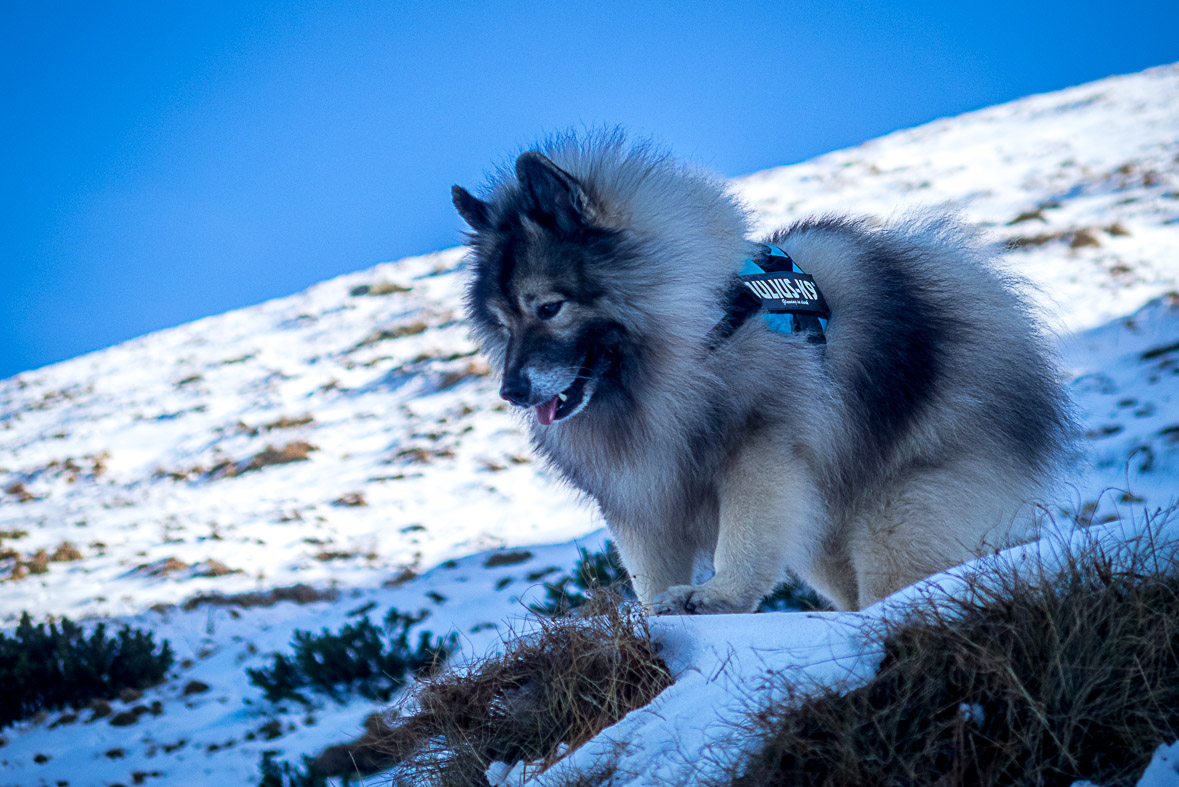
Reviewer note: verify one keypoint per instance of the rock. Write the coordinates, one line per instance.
(195, 687)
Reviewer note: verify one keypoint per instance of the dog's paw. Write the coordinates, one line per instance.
(696, 600)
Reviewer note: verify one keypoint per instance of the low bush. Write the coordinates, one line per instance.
(360, 658)
(792, 596)
(594, 571)
(51, 666)
(1035, 679)
(561, 685)
(278, 773)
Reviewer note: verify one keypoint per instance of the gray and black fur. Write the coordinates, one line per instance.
(602, 274)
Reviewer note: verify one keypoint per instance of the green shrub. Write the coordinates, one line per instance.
(47, 667)
(594, 570)
(359, 658)
(792, 596)
(604, 570)
(277, 773)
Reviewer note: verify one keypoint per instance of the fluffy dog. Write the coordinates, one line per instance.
(904, 438)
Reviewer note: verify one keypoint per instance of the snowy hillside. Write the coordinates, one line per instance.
(348, 438)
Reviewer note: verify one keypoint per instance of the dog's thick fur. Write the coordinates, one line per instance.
(905, 444)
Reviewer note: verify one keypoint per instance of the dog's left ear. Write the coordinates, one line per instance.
(471, 208)
(552, 193)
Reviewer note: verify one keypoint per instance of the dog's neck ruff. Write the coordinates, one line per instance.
(773, 284)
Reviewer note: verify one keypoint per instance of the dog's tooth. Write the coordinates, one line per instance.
(562, 397)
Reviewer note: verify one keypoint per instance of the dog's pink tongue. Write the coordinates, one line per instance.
(547, 411)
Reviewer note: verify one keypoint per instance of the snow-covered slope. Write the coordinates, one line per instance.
(162, 459)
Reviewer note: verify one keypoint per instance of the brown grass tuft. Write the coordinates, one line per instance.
(384, 334)
(65, 553)
(562, 684)
(1038, 679)
(291, 452)
(20, 492)
(38, 563)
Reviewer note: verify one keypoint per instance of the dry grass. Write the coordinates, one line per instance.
(384, 334)
(1037, 679)
(1076, 238)
(379, 288)
(291, 452)
(561, 685)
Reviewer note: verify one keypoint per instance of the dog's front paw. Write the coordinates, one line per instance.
(696, 600)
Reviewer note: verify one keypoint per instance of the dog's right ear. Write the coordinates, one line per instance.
(476, 212)
(553, 193)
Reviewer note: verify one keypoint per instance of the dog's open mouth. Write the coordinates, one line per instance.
(568, 401)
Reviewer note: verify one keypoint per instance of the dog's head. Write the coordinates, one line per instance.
(536, 294)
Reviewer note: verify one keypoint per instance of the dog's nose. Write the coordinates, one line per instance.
(517, 391)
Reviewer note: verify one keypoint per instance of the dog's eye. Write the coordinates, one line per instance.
(547, 311)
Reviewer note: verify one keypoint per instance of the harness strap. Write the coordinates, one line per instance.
(772, 283)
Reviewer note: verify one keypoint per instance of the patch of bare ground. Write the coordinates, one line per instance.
(66, 552)
(162, 567)
(473, 369)
(507, 558)
(548, 693)
(299, 594)
(213, 568)
(285, 422)
(1036, 677)
(378, 288)
(418, 455)
(351, 500)
(385, 334)
(1076, 238)
(297, 451)
(20, 492)
(291, 452)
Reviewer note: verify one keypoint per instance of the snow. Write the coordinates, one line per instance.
(1163, 770)
(138, 455)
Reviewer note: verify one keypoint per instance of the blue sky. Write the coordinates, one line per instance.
(164, 161)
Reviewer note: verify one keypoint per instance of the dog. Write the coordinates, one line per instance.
(905, 436)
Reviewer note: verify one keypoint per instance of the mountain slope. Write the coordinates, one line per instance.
(347, 436)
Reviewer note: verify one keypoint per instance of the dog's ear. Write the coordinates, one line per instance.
(552, 193)
(476, 212)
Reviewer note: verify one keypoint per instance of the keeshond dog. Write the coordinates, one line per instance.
(905, 436)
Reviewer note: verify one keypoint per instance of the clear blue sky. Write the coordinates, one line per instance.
(163, 161)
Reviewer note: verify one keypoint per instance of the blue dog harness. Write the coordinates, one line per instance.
(788, 299)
